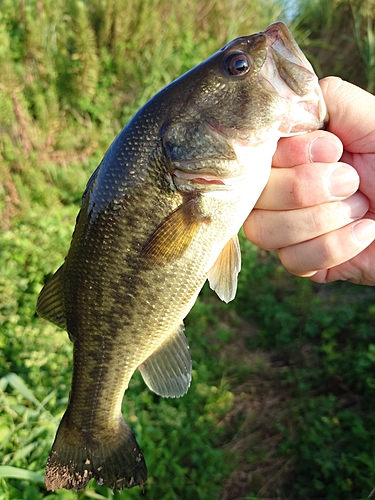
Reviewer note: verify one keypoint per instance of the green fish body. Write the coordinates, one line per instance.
(159, 216)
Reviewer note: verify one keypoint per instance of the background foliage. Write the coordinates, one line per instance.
(282, 402)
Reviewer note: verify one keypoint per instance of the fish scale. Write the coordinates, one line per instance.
(159, 217)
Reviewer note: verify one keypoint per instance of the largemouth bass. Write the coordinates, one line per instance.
(159, 216)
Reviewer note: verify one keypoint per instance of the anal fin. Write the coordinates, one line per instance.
(223, 274)
(168, 370)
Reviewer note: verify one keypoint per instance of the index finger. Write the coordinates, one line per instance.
(307, 185)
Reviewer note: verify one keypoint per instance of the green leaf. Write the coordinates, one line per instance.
(19, 385)
(17, 473)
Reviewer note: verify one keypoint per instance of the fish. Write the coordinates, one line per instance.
(159, 216)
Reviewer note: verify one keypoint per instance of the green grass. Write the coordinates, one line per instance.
(283, 408)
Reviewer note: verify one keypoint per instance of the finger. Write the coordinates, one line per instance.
(328, 250)
(272, 229)
(351, 114)
(307, 185)
(317, 146)
(359, 269)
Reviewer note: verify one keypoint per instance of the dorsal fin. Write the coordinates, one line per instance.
(174, 234)
(168, 370)
(50, 303)
(223, 274)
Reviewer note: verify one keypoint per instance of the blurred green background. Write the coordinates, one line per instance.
(282, 403)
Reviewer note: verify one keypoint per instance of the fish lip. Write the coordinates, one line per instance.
(281, 39)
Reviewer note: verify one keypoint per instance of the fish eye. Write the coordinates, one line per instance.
(237, 64)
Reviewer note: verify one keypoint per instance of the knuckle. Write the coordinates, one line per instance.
(318, 220)
(290, 258)
(257, 229)
(298, 190)
(326, 254)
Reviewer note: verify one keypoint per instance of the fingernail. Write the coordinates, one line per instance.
(364, 231)
(325, 149)
(343, 181)
(356, 206)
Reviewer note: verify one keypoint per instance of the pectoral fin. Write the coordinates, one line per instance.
(223, 275)
(168, 370)
(174, 234)
(50, 303)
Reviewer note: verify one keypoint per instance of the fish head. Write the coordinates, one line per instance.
(250, 93)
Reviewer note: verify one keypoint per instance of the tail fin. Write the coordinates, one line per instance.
(114, 460)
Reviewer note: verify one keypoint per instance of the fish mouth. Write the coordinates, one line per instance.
(297, 80)
(296, 72)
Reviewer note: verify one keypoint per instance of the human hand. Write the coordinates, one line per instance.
(314, 213)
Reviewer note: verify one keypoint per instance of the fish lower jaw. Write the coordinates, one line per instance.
(306, 116)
